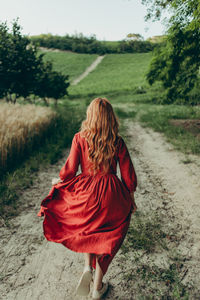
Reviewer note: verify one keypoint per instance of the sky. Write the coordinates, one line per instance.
(107, 19)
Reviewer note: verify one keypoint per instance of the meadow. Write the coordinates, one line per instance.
(69, 63)
(21, 126)
(117, 73)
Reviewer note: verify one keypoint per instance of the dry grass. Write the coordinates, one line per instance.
(19, 125)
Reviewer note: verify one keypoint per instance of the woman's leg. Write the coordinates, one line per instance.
(83, 287)
(98, 276)
(88, 259)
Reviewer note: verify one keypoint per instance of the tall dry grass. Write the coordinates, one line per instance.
(20, 127)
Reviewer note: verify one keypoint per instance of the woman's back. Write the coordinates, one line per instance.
(79, 155)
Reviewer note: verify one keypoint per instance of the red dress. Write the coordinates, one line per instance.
(90, 213)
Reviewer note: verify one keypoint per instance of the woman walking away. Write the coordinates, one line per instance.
(90, 212)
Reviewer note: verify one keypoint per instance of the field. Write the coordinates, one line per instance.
(116, 74)
(159, 258)
(69, 63)
(121, 78)
(21, 127)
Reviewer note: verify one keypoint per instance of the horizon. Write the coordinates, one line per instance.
(108, 20)
(87, 36)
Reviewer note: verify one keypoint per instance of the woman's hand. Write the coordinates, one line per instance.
(56, 180)
(133, 202)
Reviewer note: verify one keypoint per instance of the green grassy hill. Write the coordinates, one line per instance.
(69, 63)
(116, 73)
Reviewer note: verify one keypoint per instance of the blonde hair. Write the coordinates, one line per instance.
(101, 132)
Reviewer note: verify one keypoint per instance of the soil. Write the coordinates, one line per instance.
(33, 268)
(193, 126)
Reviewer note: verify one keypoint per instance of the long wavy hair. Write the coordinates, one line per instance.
(100, 129)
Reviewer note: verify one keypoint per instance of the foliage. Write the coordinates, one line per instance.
(19, 64)
(49, 83)
(81, 44)
(135, 36)
(176, 63)
(135, 46)
(22, 69)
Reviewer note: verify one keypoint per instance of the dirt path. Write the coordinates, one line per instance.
(32, 268)
(176, 197)
(88, 70)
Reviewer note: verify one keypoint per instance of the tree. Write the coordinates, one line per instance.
(19, 62)
(23, 71)
(176, 63)
(50, 84)
(4, 58)
(58, 84)
(134, 37)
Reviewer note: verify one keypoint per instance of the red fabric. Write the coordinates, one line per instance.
(90, 213)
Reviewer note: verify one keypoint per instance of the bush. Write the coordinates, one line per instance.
(81, 44)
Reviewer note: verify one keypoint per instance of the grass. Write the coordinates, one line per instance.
(69, 63)
(158, 117)
(158, 282)
(145, 233)
(116, 73)
(151, 278)
(51, 149)
(21, 128)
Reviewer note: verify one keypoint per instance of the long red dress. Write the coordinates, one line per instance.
(90, 213)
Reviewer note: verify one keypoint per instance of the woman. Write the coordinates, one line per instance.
(90, 212)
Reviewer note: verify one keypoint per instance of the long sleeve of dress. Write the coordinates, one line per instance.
(68, 171)
(128, 175)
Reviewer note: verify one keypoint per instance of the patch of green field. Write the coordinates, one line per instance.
(69, 63)
(116, 73)
(157, 116)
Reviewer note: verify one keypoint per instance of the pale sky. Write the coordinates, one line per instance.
(107, 19)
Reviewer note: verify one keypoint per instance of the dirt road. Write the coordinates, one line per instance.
(33, 268)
